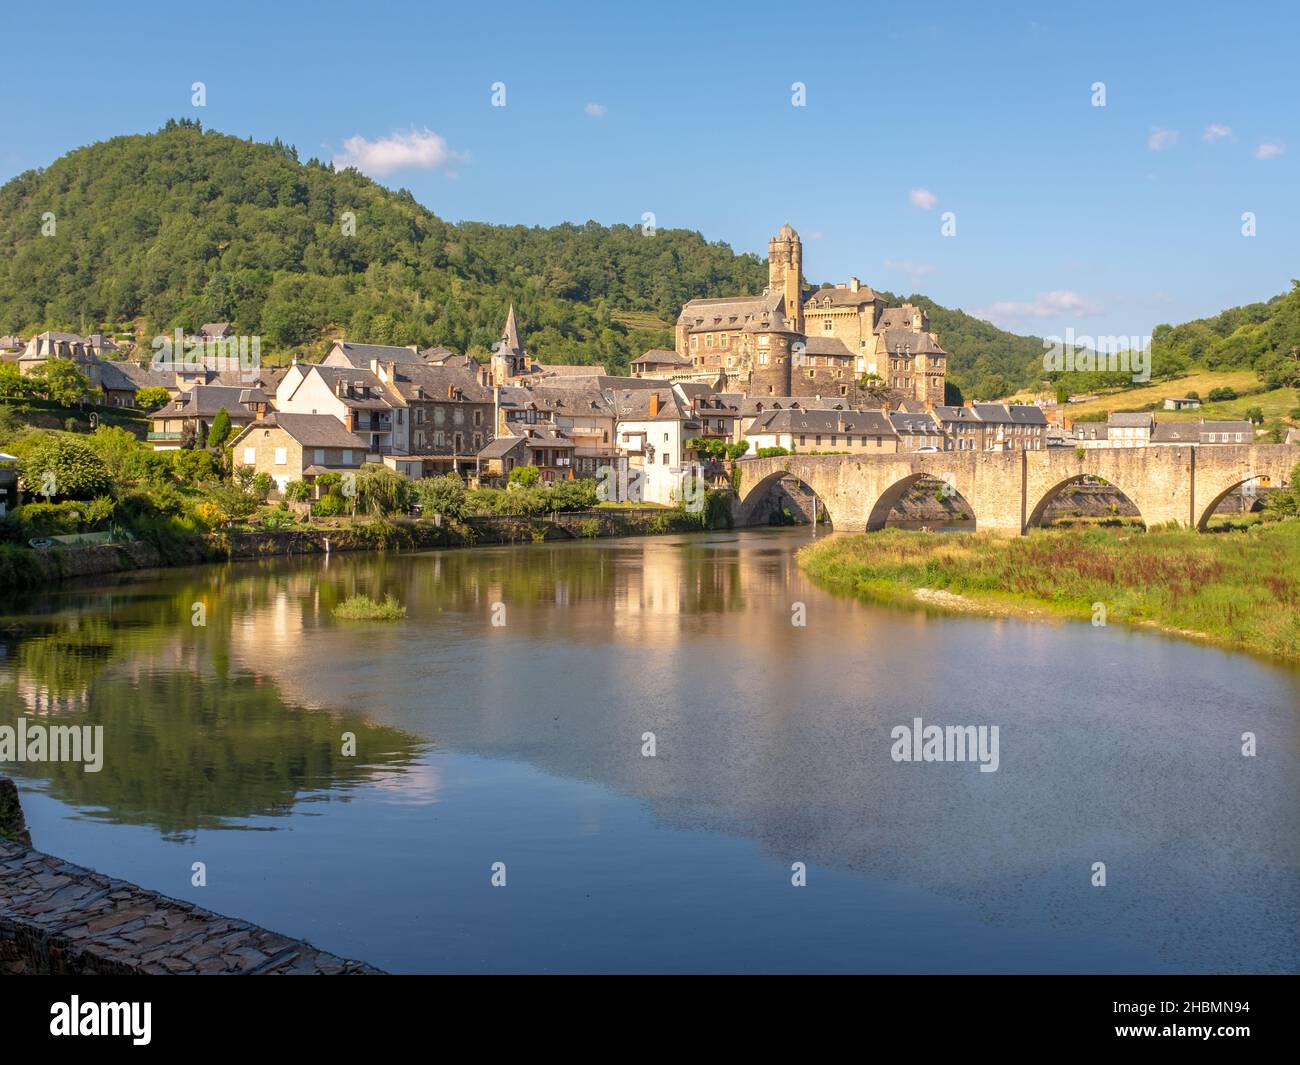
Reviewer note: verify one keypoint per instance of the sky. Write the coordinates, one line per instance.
(1062, 213)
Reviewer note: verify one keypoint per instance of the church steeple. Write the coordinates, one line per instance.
(510, 348)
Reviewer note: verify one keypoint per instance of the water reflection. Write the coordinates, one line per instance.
(1116, 746)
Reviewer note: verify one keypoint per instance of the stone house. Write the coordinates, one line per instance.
(298, 447)
(184, 421)
(1130, 429)
(652, 428)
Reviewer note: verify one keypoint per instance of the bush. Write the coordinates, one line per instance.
(525, 476)
(152, 398)
(1219, 395)
(193, 467)
(69, 466)
(297, 491)
(219, 431)
(578, 494)
(262, 485)
(442, 495)
(328, 506)
(771, 452)
(363, 608)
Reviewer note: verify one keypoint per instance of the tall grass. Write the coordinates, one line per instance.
(1240, 589)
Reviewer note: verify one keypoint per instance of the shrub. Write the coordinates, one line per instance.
(363, 608)
(525, 476)
(328, 506)
(590, 528)
(442, 495)
(262, 485)
(193, 467)
(1218, 395)
(771, 452)
(73, 470)
(297, 491)
(152, 398)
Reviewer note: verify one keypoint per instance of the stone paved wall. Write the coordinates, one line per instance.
(61, 919)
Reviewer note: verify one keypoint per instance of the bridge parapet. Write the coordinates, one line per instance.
(1008, 491)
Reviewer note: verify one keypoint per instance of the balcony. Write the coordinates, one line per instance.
(164, 436)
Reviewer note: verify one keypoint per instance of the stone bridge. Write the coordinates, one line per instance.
(1008, 491)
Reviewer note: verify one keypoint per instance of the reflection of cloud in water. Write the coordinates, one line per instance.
(415, 785)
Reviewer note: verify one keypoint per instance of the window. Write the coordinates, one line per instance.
(478, 417)
(478, 441)
(347, 458)
(439, 415)
(458, 416)
(803, 439)
(663, 458)
(281, 456)
(818, 440)
(319, 456)
(708, 340)
(250, 456)
(695, 343)
(723, 340)
(827, 326)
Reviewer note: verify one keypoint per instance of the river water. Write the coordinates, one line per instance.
(506, 720)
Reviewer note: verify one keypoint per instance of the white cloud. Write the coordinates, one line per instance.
(1270, 150)
(1214, 132)
(402, 150)
(1161, 139)
(923, 198)
(915, 271)
(596, 110)
(1044, 305)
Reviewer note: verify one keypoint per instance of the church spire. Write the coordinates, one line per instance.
(510, 346)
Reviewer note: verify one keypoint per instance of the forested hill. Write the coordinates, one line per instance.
(182, 227)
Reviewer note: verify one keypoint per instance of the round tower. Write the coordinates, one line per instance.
(769, 342)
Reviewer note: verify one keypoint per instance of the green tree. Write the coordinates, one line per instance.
(67, 466)
(152, 398)
(219, 430)
(62, 382)
(442, 495)
(525, 476)
(381, 490)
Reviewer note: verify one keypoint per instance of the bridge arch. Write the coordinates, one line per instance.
(1220, 493)
(1035, 516)
(878, 515)
(749, 507)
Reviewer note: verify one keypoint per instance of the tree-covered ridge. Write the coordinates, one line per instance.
(182, 227)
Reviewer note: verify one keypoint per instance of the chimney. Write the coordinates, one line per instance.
(350, 422)
(854, 284)
(451, 389)
(654, 404)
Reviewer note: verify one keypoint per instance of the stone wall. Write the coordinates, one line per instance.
(60, 919)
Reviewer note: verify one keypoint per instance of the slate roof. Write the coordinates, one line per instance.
(841, 297)
(913, 424)
(310, 430)
(662, 357)
(203, 401)
(1134, 420)
(375, 394)
(824, 345)
(1026, 414)
(955, 414)
(359, 355)
(729, 312)
(858, 423)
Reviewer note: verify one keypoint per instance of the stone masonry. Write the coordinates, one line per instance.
(1009, 491)
(57, 918)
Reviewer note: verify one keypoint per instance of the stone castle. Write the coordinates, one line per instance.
(840, 341)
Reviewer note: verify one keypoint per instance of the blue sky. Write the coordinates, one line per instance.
(1107, 219)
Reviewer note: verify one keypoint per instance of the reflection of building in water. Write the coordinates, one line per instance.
(40, 699)
(648, 595)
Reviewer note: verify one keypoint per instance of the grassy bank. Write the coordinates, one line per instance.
(1239, 589)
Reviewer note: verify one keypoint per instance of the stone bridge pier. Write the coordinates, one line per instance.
(1008, 491)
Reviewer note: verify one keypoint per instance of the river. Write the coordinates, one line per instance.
(506, 720)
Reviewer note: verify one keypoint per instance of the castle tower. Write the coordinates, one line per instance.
(769, 346)
(509, 360)
(785, 273)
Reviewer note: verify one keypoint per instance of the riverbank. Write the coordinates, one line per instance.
(25, 567)
(1236, 589)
